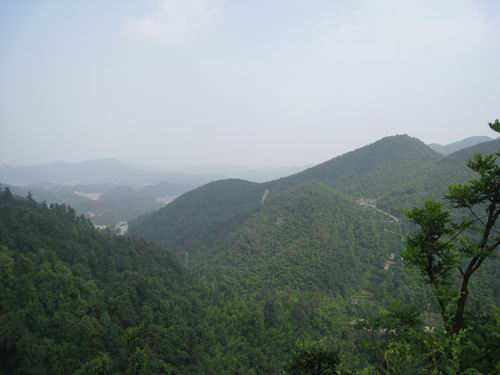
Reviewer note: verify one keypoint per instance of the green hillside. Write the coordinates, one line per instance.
(77, 299)
(293, 234)
(310, 238)
(432, 179)
(200, 218)
(367, 171)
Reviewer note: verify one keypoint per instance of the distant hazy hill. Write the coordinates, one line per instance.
(459, 145)
(245, 173)
(206, 215)
(95, 172)
(106, 204)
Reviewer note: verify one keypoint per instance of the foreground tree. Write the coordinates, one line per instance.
(451, 246)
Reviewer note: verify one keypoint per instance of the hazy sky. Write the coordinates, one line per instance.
(258, 83)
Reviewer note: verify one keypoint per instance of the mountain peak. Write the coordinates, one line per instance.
(368, 169)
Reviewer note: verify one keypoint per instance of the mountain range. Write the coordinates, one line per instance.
(193, 220)
(459, 145)
(245, 276)
(112, 171)
(95, 172)
(304, 230)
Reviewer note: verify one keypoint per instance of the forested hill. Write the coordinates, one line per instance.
(369, 170)
(74, 299)
(201, 217)
(309, 232)
(309, 238)
(205, 216)
(432, 179)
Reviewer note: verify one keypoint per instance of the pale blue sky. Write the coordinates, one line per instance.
(260, 83)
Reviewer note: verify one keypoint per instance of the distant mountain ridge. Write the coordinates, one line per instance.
(200, 217)
(96, 172)
(106, 204)
(459, 145)
(246, 173)
(233, 229)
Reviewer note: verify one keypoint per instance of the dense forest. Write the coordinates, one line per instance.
(194, 219)
(317, 273)
(76, 300)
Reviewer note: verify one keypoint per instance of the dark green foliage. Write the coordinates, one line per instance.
(100, 365)
(202, 217)
(245, 342)
(71, 297)
(443, 245)
(314, 358)
(77, 300)
(309, 261)
(495, 126)
(310, 238)
(449, 251)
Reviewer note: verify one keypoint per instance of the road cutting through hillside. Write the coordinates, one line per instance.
(372, 203)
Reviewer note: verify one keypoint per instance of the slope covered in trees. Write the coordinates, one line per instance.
(309, 238)
(201, 217)
(432, 179)
(208, 214)
(75, 299)
(295, 263)
(369, 170)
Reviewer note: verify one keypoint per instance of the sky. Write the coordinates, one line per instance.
(174, 83)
